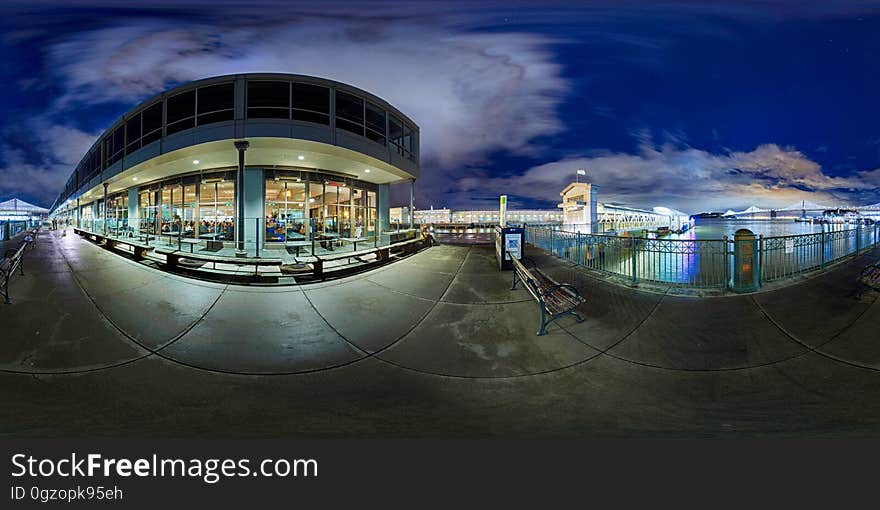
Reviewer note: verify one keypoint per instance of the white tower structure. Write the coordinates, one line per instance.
(579, 207)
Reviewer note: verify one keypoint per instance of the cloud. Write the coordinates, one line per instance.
(41, 175)
(470, 93)
(686, 178)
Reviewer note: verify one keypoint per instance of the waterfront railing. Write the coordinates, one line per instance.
(703, 263)
(10, 229)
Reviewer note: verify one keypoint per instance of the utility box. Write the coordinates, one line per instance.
(508, 244)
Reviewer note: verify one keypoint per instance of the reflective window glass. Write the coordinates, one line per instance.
(216, 103)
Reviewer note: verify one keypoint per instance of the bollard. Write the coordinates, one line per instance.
(745, 276)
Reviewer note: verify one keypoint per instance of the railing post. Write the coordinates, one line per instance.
(727, 254)
(551, 241)
(858, 238)
(760, 257)
(578, 248)
(822, 259)
(635, 279)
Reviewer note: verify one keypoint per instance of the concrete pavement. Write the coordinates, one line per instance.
(433, 345)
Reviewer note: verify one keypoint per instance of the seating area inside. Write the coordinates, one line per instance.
(555, 300)
(288, 262)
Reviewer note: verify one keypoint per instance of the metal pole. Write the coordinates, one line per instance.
(822, 259)
(412, 190)
(579, 248)
(105, 208)
(241, 146)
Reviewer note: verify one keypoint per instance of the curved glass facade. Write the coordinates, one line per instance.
(142, 164)
(299, 99)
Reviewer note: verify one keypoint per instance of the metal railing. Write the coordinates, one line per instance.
(11, 228)
(703, 263)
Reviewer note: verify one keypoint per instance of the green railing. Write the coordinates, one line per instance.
(703, 263)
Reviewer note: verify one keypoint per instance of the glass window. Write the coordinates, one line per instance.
(316, 205)
(286, 210)
(117, 214)
(268, 100)
(190, 210)
(395, 132)
(311, 103)
(115, 145)
(181, 109)
(216, 103)
(133, 133)
(349, 112)
(172, 209)
(375, 117)
(147, 211)
(401, 137)
(151, 123)
(217, 209)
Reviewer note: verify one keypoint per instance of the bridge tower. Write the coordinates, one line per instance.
(579, 207)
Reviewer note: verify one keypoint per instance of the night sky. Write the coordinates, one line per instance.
(695, 106)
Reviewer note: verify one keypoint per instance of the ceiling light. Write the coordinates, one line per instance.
(134, 178)
(195, 162)
(311, 200)
(367, 170)
(300, 157)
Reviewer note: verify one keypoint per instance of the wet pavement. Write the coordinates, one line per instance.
(436, 344)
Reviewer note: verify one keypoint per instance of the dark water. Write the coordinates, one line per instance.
(717, 228)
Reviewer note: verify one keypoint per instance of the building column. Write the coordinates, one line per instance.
(241, 146)
(133, 211)
(383, 201)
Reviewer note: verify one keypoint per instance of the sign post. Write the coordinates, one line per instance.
(502, 217)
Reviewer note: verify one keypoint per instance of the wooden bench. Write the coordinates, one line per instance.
(31, 237)
(172, 258)
(383, 253)
(318, 261)
(555, 299)
(870, 276)
(11, 261)
(406, 247)
(139, 249)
